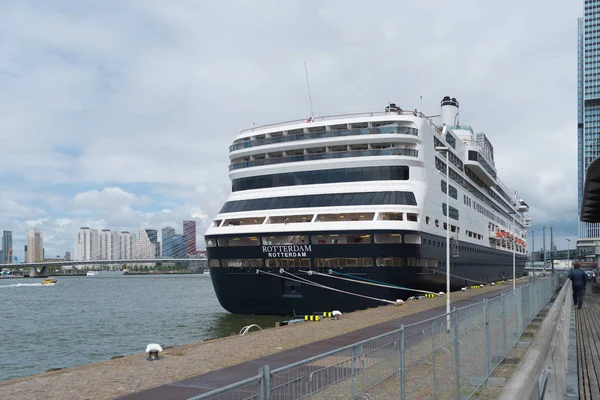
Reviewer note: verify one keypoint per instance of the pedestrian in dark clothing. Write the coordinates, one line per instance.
(578, 279)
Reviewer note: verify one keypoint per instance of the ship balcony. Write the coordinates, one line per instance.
(321, 132)
(477, 163)
(333, 152)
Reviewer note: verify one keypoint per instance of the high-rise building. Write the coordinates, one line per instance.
(189, 231)
(109, 245)
(127, 245)
(167, 234)
(145, 247)
(588, 109)
(86, 244)
(7, 249)
(174, 245)
(35, 245)
(25, 255)
(67, 256)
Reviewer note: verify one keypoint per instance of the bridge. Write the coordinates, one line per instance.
(40, 269)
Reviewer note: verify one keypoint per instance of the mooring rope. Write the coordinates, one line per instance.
(358, 279)
(302, 280)
(443, 272)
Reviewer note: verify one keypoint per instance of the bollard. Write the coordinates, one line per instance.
(153, 349)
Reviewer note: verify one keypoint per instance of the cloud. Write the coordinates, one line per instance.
(119, 114)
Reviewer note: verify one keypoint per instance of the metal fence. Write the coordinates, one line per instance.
(447, 357)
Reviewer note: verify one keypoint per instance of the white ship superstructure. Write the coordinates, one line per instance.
(362, 195)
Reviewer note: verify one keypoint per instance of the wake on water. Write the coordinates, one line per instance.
(24, 284)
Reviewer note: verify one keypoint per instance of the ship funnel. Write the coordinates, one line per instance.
(450, 111)
(392, 108)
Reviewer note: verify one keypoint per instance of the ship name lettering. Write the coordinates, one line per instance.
(287, 251)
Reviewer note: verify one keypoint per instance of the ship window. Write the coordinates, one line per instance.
(214, 263)
(388, 238)
(427, 219)
(453, 192)
(411, 217)
(239, 241)
(321, 200)
(287, 262)
(341, 239)
(217, 222)
(244, 221)
(343, 262)
(211, 243)
(243, 263)
(288, 239)
(412, 238)
(289, 219)
(390, 262)
(400, 172)
(395, 216)
(341, 217)
(453, 211)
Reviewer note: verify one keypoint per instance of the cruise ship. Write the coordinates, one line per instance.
(352, 211)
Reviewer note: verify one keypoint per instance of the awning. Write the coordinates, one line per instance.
(590, 205)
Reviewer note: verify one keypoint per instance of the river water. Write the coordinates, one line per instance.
(81, 320)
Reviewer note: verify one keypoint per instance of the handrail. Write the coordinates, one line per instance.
(325, 156)
(337, 116)
(325, 134)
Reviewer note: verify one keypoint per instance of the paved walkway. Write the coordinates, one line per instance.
(588, 346)
(207, 382)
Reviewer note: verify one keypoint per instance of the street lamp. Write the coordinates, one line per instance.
(568, 250)
(445, 149)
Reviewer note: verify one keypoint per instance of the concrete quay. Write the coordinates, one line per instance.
(189, 370)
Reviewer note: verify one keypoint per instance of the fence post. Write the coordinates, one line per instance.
(486, 322)
(261, 384)
(352, 373)
(519, 305)
(504, 333)
(456, 353)
(433, 357)
(267, 379)
(402, 364)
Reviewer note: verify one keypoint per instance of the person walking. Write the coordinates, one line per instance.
(578, 279)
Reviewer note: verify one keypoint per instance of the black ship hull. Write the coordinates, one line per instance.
(273, 291)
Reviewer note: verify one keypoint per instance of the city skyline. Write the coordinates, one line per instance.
(91, 244)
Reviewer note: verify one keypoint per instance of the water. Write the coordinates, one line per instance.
(80, 320)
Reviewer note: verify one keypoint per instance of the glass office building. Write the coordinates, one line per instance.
(588, 108)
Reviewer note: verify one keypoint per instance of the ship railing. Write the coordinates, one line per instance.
(325, 156)
(336, 116)
(403, 130)
(450, 356)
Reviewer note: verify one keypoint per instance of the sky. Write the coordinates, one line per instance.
(118, 114)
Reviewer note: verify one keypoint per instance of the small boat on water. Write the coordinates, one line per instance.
(48, 281)
(91, 273)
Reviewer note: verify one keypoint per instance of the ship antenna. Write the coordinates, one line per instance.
(421, 109)
(312, 114)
